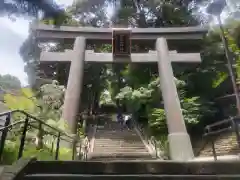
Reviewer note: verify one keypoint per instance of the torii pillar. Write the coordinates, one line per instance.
(179, 140)
(72, 97)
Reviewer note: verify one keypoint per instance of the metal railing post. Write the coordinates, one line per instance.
(80, 151)
(57, 147)
(156, 150)
(52, 146)
(213, 149)
(40, 136)
(23, 137)
(4, 135)
(74, 143)
(236, 129)
(25, 124)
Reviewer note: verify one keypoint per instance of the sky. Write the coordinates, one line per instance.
(12, 36)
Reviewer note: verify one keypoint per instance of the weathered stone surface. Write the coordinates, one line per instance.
(72, 99)
(132, 177)
(90, 56)
(137, 169)
(67, 32)
(134, 167)
(179, 141)
(16, 171)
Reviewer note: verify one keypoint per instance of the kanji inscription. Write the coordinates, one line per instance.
(121, 44)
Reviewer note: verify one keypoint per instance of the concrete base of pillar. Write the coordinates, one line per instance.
(180, 147)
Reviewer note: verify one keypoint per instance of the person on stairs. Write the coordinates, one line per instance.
(120, 119)
(127, 121)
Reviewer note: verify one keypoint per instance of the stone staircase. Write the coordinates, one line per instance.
(225, 144)
(113, 143)
(122, 170)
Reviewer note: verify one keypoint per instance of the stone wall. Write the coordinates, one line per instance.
(225, 144)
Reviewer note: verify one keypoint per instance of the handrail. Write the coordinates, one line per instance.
(231, 124)
(42, 122)
(11, 125)
(86, 147)
(50, 133)
(36, 119)
(150, 139)
(154, 141)
(29, 119)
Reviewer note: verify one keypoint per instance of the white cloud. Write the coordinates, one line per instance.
(20, 26)
(64, 2)
(12, 36)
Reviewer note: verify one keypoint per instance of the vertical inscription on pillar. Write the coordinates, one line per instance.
(121, 42)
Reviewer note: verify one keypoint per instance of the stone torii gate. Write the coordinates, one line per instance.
(179, 140)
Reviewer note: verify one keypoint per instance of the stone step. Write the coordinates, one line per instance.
(118, 146)
(111, 153)
(111, 129)
(118, 143)
(134, 167)
(128, 139)
(132, 177)
(113, 143)
(126, 177)
(2, 167)
(120, 154)
(116, 135)
(130, 143)
(133, 143)
(119, 158)
(116, 131)
(118, 151)
(117, 139)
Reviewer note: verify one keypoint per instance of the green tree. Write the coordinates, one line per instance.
(29, 7)
(24, 100)
(9, 82)
(46, 104)
(193, 108)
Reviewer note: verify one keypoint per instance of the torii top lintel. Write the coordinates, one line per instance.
(43, 31)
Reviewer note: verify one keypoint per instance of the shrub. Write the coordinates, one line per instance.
(11, 148)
